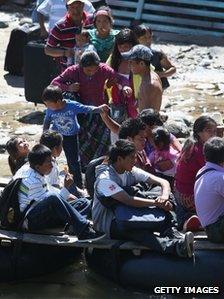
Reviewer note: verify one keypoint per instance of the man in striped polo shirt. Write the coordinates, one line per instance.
(61, 40)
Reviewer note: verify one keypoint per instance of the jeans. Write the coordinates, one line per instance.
(54, 211)
(145, 237)
(215, 231)
(71, 149)
(82, 205)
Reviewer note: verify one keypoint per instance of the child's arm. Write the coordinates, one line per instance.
(112, 125)
(47, 121)
(169, 68)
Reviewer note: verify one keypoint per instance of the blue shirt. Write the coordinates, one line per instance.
(65, 120)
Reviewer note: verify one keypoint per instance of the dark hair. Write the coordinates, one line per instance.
(141, 30)
(52, 93)
(11, 147)
(199, 125)
(38, 155)
(126, 35)
(147, 62)
(214, 150)
(131, 127)
(109, 12)
(150, 117)
(51, 139)
(89, 58)
(122, 148)
(161, 137)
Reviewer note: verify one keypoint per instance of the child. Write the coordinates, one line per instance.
(48, 209)
(53, 140)
(18, 149)
(163, 158)
(62, 115)
(163, 67)
(82, 44)
(191, 159)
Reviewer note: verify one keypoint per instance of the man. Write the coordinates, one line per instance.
(209, 190)
(61, 40)
(150, 90)
(55, 10)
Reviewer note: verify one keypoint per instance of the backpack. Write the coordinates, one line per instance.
(10, 215)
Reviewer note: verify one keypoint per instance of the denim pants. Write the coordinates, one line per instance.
(71, 149)
(54, 211)
(145, 237)
(82, 205)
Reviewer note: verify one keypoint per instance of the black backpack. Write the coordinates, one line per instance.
(10, 215)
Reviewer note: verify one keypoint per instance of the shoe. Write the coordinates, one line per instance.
(172, 233)
(185, 247)
(89, 234)
(192, 224)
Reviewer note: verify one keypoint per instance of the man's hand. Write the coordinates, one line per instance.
(127, 91)
(74, 87)
(104, 109)
(68, 53)
(68, 181)
(163, 203)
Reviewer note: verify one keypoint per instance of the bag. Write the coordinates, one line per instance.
(10, 215)
(14, 53)
(118, 112)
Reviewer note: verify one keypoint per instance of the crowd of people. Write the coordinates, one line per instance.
(106, 101)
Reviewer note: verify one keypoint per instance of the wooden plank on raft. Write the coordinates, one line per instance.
(201, 3)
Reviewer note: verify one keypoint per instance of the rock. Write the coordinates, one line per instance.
(3, 24)
(3, 140)
(178, 128)
(36, 118)
(180, 116)
(203, 86)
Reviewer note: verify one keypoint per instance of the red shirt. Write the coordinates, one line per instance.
(91, 89)
(186, 170)
(63, 33)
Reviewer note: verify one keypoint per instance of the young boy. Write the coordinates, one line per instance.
(150, 90)
(163, 67)
(110, 182)
(48, 209)
(62, 115)
(53, 140)
(82, 44)
(209, 190)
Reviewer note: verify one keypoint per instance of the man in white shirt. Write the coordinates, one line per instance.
(48, 206)
(55, 10)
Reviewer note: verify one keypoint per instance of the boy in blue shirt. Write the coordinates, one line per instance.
(61, 115)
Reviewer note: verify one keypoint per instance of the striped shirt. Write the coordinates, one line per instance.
(34, 186)
(56, 9)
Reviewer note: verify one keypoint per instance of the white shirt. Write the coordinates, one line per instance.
(34, 186)
(56, 9)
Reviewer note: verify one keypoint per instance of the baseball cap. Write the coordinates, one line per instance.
(68, 2)
(138, 52)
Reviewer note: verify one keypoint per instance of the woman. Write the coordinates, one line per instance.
(102, 36)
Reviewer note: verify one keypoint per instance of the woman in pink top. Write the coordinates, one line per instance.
(190, 161)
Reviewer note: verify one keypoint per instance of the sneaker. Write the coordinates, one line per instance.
(172, 233)
(192, 224)
(185, 247)
(89, 234)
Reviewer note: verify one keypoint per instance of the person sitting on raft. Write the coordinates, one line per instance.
(110, 182)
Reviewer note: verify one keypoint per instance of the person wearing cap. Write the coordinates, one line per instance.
(150, 90)
(61, 40)
(55, 10)
(103, 35)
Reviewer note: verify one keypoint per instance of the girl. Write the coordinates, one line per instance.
(102, 36)
(18, 149)
(190, 161)
(124, 41)
(163, 158)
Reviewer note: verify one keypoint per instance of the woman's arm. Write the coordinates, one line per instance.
(112, 125)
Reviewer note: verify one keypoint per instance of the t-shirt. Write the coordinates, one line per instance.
(186, 170)
(209, 194)
(65, 120)
(104, 45)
